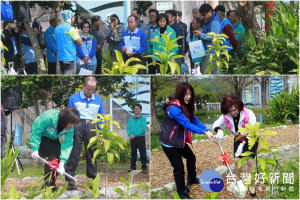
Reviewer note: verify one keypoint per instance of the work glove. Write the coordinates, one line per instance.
(220, 134)
(61, 168)
(35, 155)
(239, 150)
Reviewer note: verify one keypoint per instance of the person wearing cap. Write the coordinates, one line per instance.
(136, 130)
(88, 104)
(67, 36)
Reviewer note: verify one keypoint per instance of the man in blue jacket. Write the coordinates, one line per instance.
(6, 11)
(51, 47)
(134, 41)
(136, 130)
(88, 104)
(66, 37)
(212, 23)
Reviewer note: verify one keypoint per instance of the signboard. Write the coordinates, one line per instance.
(163, 6)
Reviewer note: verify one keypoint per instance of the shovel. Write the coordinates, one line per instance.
(237, 187)
(66, 174)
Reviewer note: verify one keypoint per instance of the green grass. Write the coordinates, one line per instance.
(29, 171)
(155, 144)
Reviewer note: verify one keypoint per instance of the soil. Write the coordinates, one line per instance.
(113, 181)
(207, 154)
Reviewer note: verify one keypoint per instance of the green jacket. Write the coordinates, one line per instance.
(239, 33)
(157, 46)
(45, 125)
(137, 126)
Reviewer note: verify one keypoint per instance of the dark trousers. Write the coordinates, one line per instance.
(51, 67)
(82, 133)
(31, 68)
(99, 63)
(138, 143)
(67, 67)
(175, 157)
(51, 149)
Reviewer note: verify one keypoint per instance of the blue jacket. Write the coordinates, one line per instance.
(137, 41)
(51, 44)
(66, 47)
(226, 21)
(175, 127)
(87, 108)
(6, 11)
(88, 48)
(179, 32)
(116, 43)
(212, 25)
(28, 49)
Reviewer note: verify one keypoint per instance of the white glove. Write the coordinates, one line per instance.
(61, 168)
(220, 134)
(35, 155)
(239, 150)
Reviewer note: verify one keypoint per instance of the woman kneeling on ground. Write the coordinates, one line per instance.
(177, 124)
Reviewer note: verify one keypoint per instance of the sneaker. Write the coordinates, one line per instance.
(191, 181)
(71, 187)
(252, 191)
(184, 194)
(130, 170)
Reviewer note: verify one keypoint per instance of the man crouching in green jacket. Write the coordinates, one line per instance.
(45, 133)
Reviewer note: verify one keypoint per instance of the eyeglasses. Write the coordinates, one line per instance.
(86, 27)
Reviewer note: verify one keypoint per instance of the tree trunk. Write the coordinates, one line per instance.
(36, 106)
(48, 95)
(249, 21)
(264, 81)
(57, 9)
(154, 121)
(37, 49)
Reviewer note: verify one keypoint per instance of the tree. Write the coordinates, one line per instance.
(55, 91)
(238, 83)
(158, 83)
(248, 11)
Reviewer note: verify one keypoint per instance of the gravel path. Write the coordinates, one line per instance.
(207, 153)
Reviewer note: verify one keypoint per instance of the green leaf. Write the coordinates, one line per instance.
(215, 195)
(135, 196)
(243, 130)
(106, 144)
(110, 157)
(118, 190)
(247, 153)
(268, 132)
(264, 143)
(174, 67)
(124, 181)
(93, 140)
(263, 151)
(270, 161)
(242, 160)
(251, 142)
(119, 57)
(262, 162)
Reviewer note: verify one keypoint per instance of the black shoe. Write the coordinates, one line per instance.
(251, 189)
(71, 187)
(184, 194)
(191, 181)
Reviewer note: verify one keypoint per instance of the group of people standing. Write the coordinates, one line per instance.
(78, 48)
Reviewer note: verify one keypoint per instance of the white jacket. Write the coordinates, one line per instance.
(221, 121)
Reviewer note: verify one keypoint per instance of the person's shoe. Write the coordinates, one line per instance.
(144, 171)
(184, 194)
(191, 181)
(71, 187)
(252, 191)
(130, 170)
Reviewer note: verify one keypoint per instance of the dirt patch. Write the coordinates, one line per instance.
(207, 154)
(113, 180)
